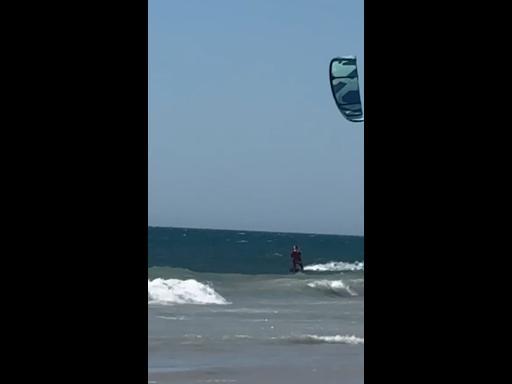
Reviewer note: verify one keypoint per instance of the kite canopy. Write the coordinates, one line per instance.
(345, 87)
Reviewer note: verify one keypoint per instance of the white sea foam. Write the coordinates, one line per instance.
(172, 317)
(231, 337)
(315, 339)
(335, 286)
(175, 291)
(336, 266)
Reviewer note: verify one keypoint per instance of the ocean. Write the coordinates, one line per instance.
(223, 307)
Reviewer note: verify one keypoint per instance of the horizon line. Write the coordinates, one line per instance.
(252, 230)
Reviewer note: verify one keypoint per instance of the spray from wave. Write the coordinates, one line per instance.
(335, 266)
(175, 291)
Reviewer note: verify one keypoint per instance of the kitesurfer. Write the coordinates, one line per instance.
(296, 256)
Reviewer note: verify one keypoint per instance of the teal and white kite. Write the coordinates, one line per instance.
(345, 87)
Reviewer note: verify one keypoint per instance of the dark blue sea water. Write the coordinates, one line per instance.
(224, 308)
(247, 252)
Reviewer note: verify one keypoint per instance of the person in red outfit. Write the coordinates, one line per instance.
(296, 256)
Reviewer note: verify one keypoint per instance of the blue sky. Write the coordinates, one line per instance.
(243, 129)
